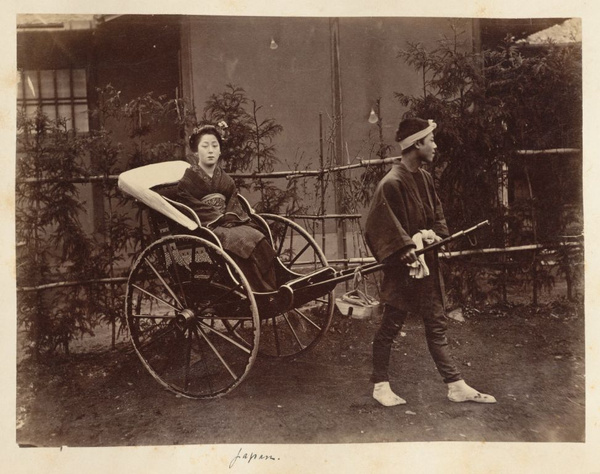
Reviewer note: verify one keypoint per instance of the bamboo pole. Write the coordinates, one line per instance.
(460, 253)
(62, 284)
(348, 261)
(76, 179)
(550, 151)
(324, 216)
(290, 174)
(504, 250)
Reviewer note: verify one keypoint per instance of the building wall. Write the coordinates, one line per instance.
(138, 54)
(134, 53)
(293, 83)
(371, 69)
(197, 56)
(49, 50)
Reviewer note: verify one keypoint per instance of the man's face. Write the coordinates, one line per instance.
(427, 149)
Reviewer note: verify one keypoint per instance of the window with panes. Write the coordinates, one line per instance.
(60, 93)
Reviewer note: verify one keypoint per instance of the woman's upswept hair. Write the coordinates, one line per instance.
(199, 131)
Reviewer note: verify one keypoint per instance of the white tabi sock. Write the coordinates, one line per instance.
(459, 391)
(384, 395)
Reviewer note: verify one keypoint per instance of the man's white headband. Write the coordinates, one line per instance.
(415, 137)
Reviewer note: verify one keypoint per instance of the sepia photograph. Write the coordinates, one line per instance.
(350, 241)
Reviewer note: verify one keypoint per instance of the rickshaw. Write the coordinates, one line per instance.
(193, 318)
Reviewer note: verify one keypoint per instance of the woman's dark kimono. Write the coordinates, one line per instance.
(215, 201)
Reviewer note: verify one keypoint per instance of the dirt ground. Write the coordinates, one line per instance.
(532, 360)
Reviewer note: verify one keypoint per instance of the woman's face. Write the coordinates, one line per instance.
(208, 150)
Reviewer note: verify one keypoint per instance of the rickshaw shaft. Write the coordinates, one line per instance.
(348, 274)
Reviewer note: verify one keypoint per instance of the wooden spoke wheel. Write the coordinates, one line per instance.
(192, 317)
(293, 332)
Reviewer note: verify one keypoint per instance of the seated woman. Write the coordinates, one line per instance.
(205, 188)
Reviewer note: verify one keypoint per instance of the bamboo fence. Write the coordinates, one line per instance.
(294, 174)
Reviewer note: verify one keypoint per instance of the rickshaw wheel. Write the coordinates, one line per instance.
(192, 316)
(296, 331)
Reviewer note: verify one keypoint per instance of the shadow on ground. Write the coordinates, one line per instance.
(532, 360)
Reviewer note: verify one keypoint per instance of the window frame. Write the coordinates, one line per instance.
(42, 100)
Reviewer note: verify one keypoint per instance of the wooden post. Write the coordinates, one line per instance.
(338, 143)
(338, 149)
(502, 173)
(535, 240)
(321, 178)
